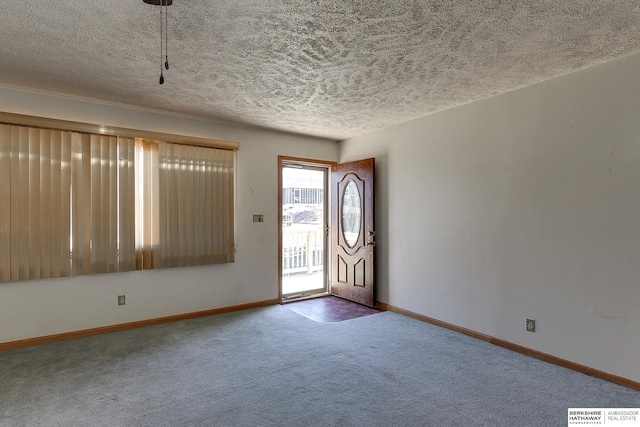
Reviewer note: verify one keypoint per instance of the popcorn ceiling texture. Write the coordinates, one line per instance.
(334, 69)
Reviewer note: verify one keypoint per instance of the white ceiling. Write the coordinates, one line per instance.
(328, 68)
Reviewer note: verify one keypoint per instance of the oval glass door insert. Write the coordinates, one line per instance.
(351, 213)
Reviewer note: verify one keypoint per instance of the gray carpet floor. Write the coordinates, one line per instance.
(274, 367)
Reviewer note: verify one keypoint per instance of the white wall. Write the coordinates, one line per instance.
(43, 307)
(522, 205)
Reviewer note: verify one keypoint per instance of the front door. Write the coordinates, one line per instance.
(353, 231)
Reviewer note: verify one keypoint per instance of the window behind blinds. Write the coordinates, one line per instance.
(74, 203)
(185, 205)
(66, 203)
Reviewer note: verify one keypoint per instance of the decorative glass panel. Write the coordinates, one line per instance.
(351, 213)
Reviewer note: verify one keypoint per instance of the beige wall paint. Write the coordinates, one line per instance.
(44, 307)
(525, 204)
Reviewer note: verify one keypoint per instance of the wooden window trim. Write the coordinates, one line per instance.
(47, 123)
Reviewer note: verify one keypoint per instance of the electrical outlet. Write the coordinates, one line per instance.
(531, 325)
(122, 300)
(258, 217)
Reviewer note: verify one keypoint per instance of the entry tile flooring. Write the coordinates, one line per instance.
(329, 309)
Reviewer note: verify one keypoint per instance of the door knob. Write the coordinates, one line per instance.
(372, 236)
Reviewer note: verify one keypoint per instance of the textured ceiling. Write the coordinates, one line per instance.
(328, 68)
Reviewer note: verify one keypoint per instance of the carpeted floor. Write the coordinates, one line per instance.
(329, 309)
(273, 367)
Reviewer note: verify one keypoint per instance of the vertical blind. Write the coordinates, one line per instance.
(60, 198)
(35, 176)
(103, 204)
(76, 203)
(186, 204)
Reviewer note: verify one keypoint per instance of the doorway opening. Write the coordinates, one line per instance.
(304, 227)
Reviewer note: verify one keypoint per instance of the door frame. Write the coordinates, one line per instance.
(282, 161)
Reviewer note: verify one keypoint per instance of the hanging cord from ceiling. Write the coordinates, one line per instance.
(166, 37)
(164, 26)
(165, 11)
(161, 53)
